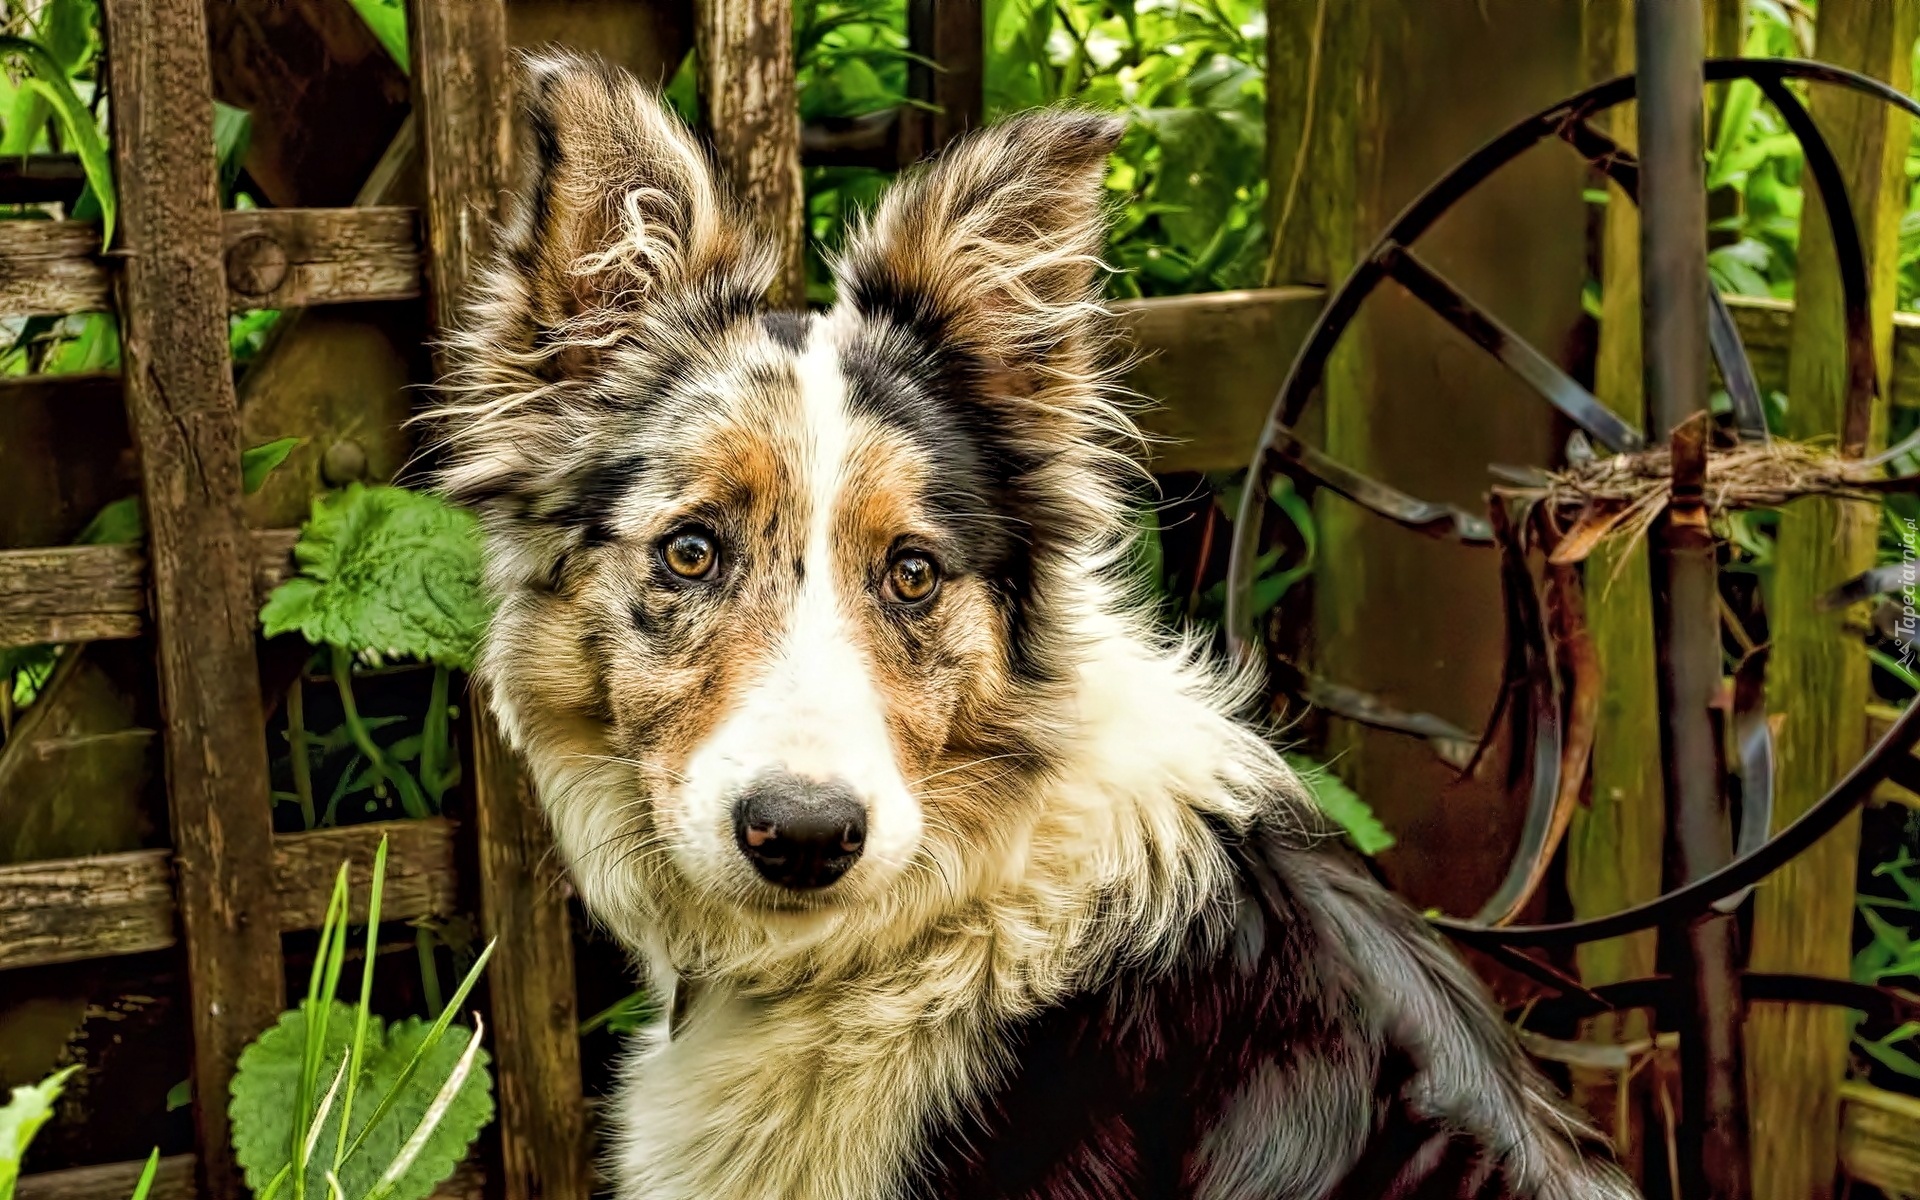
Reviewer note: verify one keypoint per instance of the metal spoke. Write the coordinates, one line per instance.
(1486, 331)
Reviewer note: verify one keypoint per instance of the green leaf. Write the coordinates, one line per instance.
(1343, 805)
(258, 463)
(29, 1108)
(116, 524)
(232, 131)
(49, 80)
(147, 1173)
(269, 1076)
(389, 572)
(388, 21)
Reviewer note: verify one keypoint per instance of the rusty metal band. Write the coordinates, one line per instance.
(1890, 758)
(1569, 121)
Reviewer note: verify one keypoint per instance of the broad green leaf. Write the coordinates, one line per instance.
(67, 29)
(29, 1108)
(389, 572)
(1343, 805)
(267, 1082)
(49, 79)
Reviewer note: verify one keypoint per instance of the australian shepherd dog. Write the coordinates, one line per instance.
(818, 635)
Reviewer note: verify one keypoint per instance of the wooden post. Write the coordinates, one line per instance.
(462, 97)
(746, 81)
(1614, 844)
(180, 404)
(1803, 915)
(950, 36)
(1366, 108)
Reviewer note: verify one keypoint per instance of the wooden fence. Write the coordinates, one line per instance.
(229, 887)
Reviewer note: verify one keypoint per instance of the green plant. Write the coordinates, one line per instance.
(1342, 805)
(1189, 175)
(388, 573)
(388, 21)
(633, 1011)
(433, 1089)
(24, 1113)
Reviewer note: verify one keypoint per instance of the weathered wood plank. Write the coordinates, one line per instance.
(1880, 1138)
(420, 879)
(1210, 366)
(70, 910)
(1819, 675)
(746, 82)
(536, 1023)
(463, 95)
(52, 267)
(274, 258)
(100, 593)
(949, 74)
(298, 258)
(174, 1181)
(459, 48)
(186, 430)
(1614, 842)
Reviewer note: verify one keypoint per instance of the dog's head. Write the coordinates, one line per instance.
(786, 599)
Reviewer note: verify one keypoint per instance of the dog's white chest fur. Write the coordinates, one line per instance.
(794, 1099)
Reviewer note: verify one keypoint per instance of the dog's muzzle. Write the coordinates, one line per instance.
(800, 833)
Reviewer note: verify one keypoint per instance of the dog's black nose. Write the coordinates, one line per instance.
(800, 833)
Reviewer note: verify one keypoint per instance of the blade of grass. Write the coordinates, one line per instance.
(147, 1173)
(427, 1043)
(321, 981)
(436, 1113)
(376, 888)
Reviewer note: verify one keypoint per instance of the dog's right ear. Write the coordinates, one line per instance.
(619, 203)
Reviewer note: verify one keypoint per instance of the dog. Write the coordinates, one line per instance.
(818, 637)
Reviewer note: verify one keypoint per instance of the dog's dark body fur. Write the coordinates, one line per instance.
(1097, 943)
(1138, 1088)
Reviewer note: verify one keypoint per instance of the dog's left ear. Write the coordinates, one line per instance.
(992, 250)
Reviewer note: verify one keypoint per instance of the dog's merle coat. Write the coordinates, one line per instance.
(1083, 936)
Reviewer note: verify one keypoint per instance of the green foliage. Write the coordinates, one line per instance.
(431, 1082)
(630, 1013)
(388, 21)
(386, 572)
(51, 80)
(1189, 174)
(1188, 180)
(21, 1118)
(269, 1076)
(1343, 805)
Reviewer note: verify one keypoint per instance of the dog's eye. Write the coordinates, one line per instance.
(690, 553)
(912, 578)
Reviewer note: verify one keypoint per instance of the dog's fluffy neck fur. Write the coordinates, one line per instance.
(860, 1035)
